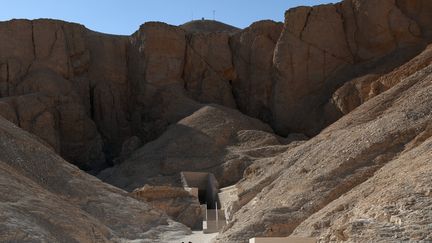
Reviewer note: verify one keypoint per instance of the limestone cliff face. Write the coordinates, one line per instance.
(91, 91)
(57, 82)
(325, 46)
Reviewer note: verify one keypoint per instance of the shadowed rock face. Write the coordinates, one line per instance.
(57, 79)
(213, 139)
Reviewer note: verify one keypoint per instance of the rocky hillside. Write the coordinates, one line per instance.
(46, 199)
(322, 123)
(364, 178)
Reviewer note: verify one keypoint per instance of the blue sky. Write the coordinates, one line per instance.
(125, 16)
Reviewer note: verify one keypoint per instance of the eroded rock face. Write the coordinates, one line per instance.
(357, 91)
(156, 61)
(209, 68)
(116, 87)
(317, 47)
(44, 198)
(253, 61)
(384, 208)
(213, 139)
(49, 73)
(178, 203)
(326, 184)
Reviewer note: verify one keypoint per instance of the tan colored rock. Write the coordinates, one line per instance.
(420, 11)
(393, 205)
(161, 48)
(253, 50)
(324, 46)
(156, 60)
(50, 47)
(348, 166)
(311, 48)
(44, 198)
(357, 91)
(209, 68)
(208, 26)
(213, 139)
(176, 202)
(83, 73)
(109, 95)
(354, 93)
(380, 28)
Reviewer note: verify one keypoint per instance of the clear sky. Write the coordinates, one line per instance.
(125, 16)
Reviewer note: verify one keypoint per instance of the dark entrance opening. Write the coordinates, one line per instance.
(202, 196)
(207, 187)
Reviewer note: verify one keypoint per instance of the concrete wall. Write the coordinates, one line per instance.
(195, 179)
(193, 191)
(213, 225)
(204, 182)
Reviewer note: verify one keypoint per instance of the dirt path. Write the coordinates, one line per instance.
(195, 237)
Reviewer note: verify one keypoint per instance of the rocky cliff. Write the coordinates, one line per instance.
(352, 77)
(46, 199)
(362, 179)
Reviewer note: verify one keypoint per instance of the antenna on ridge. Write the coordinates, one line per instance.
(214, 15)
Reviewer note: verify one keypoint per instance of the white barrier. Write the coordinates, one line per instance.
(283, 240)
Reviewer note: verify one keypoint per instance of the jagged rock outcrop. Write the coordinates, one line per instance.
(326, 184)
(209, 68)
(357, 91)
(156, 60)
(252, 51)
(67, 85)
(176, 202)
(44, 198)
(324, 46)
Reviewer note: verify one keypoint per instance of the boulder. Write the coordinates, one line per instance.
(176, 202)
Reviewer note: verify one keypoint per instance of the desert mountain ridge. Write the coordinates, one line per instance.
(320, 126)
